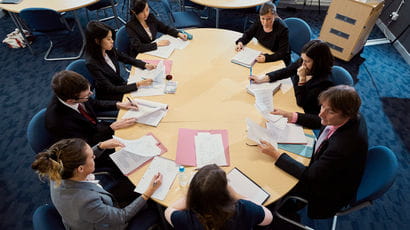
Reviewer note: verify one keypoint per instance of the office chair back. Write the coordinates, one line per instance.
(43, 19)
(46, 217)
(299, 33)
(79, 66)
(340, 76)
(122, 42)
(37, 135)
(184, 19)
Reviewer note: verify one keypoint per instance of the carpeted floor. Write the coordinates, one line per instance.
(380, 73)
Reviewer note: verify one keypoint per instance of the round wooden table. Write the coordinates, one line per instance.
(212, 94)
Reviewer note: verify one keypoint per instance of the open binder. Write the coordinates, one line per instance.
(148, 113)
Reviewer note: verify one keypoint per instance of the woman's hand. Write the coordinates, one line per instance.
(258, 80)
(110, 144)
(127, 105)
(261, 58)
(155, 183)
(124, 123)
(145, 82)
(163, 42)
(150, 66)
(239, 46)
(302, 72)
(283, 113)
(268, 149)
(183, 36)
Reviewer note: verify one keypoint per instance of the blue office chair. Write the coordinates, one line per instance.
(104, 5)
(79, 66)
(46, 217)
(299, 34)
(340, 76)
(38, 136)
(49, 22)
(184, 19)
(379, 174)
(122, 42)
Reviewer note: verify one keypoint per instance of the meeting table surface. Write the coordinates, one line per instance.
(212, 95)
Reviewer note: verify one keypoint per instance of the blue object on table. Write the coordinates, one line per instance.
(302, 150)
(189, 36)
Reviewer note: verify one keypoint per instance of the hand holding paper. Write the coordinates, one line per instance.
(268, 149)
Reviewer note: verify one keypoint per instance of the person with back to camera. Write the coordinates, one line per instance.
(142, 29)
(271, 32)
(102, 62)
(310, 75)
(82, 202)
(332, 178)
(212, 204)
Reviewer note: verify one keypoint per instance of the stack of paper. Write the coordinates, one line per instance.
(137, 152)
(257, 133)
(287, 134)
(202, 147)
(246, 57)
(245, 186)
(273, 87)
(167, 168)
(166, 51)
(149, 112)
(158, 80)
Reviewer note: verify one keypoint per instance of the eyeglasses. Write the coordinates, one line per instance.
(86, 98)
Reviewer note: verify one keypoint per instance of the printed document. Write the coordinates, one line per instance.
(127, 162)
(167, 168)
(263, 100)
(246, 187)
(273, 87)
(257, 133)
(209, 149)
(157, 75)
(146, 146)
(290, 134)
(166, 51)
(246, 57)
(149, 112)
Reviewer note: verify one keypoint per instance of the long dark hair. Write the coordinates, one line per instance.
(60, 160)
(137, 6)
(96, 31)
(209, 199)
(322, 58)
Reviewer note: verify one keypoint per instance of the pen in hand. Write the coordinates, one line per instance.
(132, 103)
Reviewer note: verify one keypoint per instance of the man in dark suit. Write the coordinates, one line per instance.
(332, 178)
(71, 112)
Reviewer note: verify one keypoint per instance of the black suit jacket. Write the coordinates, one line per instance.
(64, 122)
(332, 178)
(307, 94)
(139, 39)
(109, 85)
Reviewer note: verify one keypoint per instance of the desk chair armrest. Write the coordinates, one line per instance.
(280, 216)
(350, 209)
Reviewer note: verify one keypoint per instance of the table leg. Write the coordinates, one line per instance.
(114, 9)
(80, 28)
(19, 25)
(217, 18)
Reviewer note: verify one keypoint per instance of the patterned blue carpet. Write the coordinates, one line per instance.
(381, 75)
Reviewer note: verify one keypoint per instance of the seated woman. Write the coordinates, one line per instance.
(143, 27)
(212, 204)
(310, 75)
(102, 62)
(82, 202)
(332, 178)
(271, 32)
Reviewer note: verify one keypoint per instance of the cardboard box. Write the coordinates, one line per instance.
(347, 26)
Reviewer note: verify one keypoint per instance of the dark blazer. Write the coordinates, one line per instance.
(64, 122)
(307, 94)
(109, 85)
(139, 39)
(332, 178)
(85, 205)
(277, 40)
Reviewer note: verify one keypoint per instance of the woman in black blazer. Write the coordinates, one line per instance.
(102, 62)
(310, 75)
(143, 27)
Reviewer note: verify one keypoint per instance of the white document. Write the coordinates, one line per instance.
(167, 168)
(209, 149)
(127, 161)
(161, 51)
(246, 57)
(291, 134)
(145, 146)
(273, 87)
(257, 133)
(158, 85)
(166, 51)
(286, 84)
(246, 187)
(263, 100)
(149, 112)
(177, 43)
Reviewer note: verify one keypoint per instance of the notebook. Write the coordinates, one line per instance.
(246, 57)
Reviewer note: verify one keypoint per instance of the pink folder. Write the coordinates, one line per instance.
(186, 145)
(167, 63)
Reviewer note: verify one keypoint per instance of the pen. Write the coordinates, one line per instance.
(132, 103)
(250, 74)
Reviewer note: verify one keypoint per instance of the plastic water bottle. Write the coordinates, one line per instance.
(182, 176)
